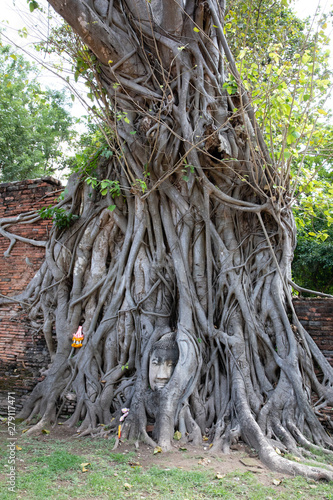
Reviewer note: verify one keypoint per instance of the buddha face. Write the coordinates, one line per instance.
(163, 360)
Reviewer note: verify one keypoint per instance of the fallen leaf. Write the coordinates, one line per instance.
(276, 482)
(183, 449)
(313, 486)
(177, 435)
(128, 486)
(84, 467)
(157, 449)
(205, 438)
(219, 476)
(24, 430)
(18, 447)
(45, 431)
(134, 464)
(204, 461)
(278, 451)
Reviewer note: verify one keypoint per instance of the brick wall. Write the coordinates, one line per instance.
(316, 315)
(21, 197)
(22, 347)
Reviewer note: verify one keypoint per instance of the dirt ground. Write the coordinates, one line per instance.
(227, 468)
(186, 457)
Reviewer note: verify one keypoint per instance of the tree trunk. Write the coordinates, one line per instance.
(200, 244)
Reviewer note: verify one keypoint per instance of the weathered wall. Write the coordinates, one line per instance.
(22, 347)
(316, 315)
(16, 198)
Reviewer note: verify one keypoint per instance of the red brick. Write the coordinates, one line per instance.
(17, 343)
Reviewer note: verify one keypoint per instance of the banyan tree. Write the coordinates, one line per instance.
(177, 260)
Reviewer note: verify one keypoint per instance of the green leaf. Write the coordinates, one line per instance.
(177, 435)
(23, 33)
(111, 208)
(196, 30)
(33, 5)
(107, 153)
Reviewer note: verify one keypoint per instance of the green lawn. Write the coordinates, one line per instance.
(53, 468)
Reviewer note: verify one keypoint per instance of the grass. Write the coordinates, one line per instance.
(50, 468)
(318, 459)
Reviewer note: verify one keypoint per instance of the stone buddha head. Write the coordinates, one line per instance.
(162, 362)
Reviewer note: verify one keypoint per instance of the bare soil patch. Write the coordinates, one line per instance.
(186, 457)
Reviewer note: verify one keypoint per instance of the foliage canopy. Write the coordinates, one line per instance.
(284, 63)
(35, 123)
